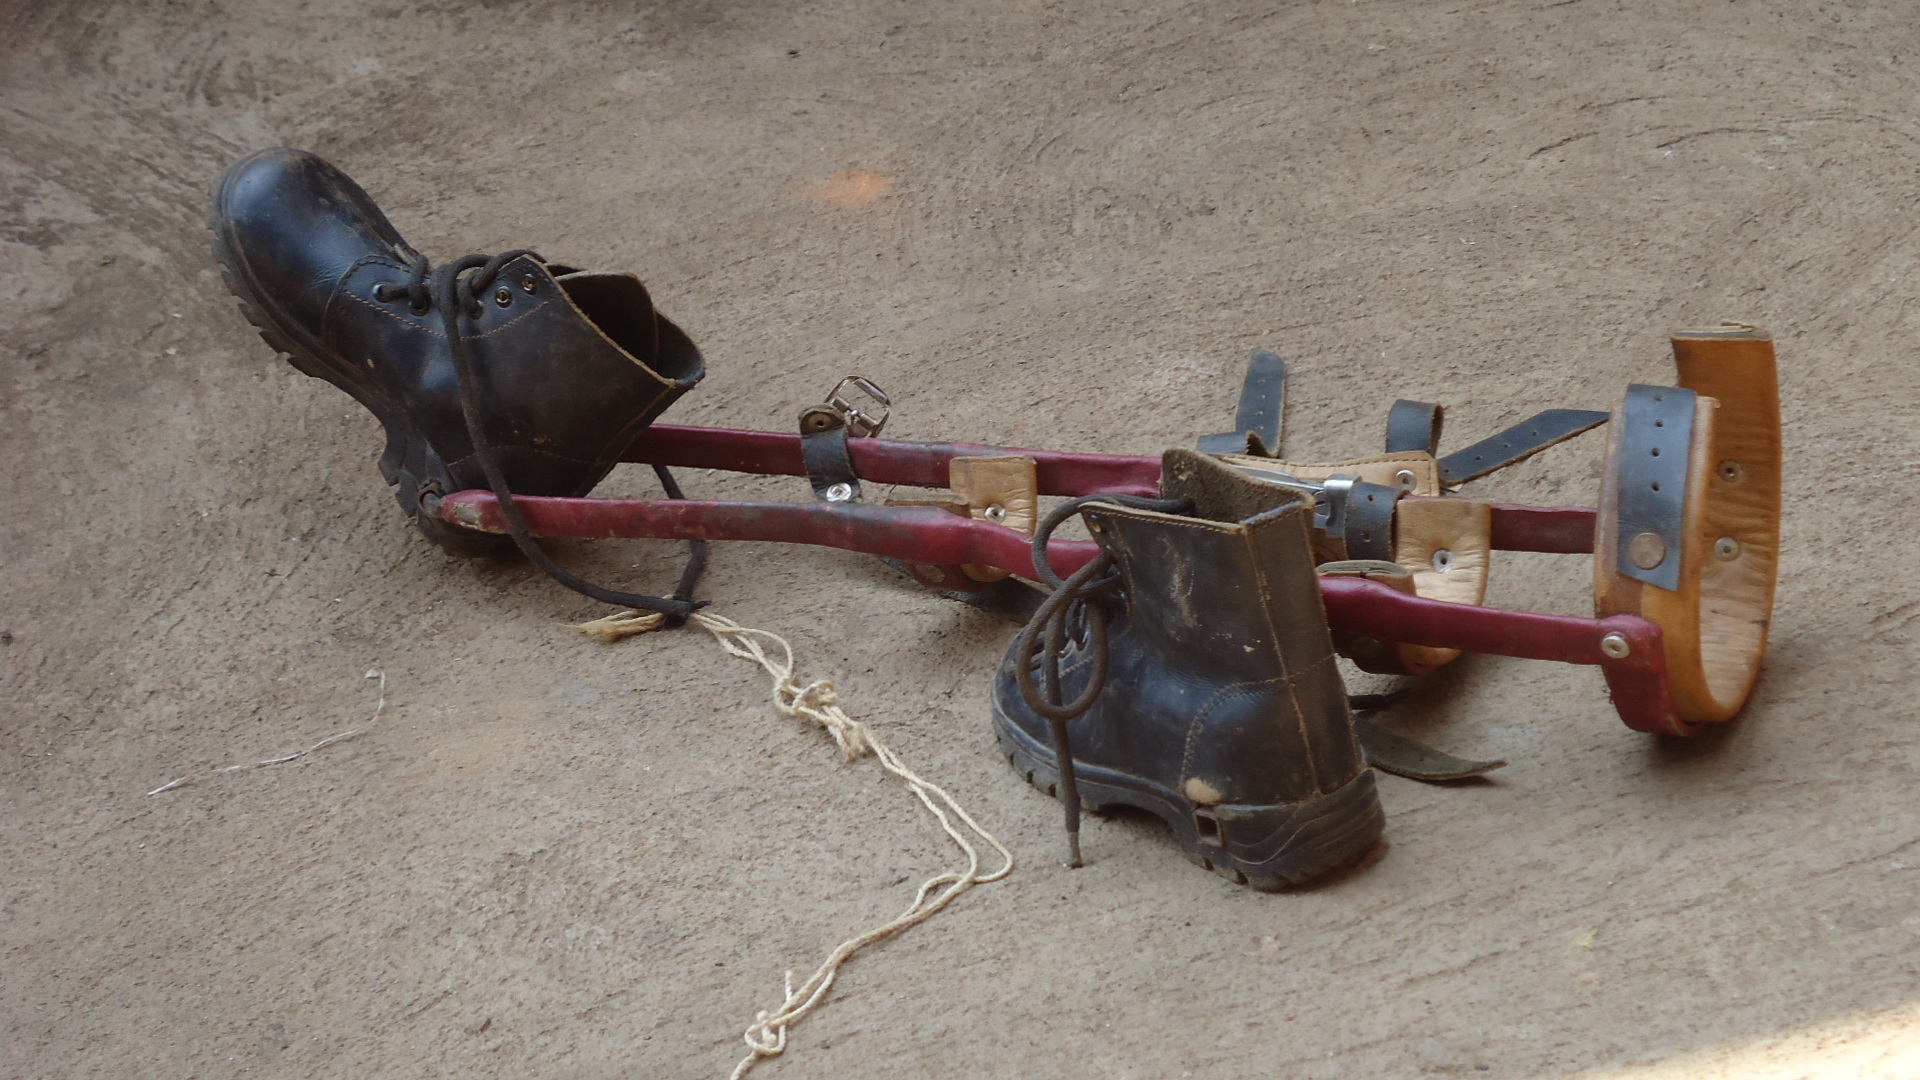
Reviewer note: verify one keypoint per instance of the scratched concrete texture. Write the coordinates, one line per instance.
(1033, 223)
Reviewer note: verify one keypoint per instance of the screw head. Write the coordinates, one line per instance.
(1442, 561)
(995, 513)
(1726, 549)
(1406, 480)
(841, 492)
(1647, 550)
(1615, 646)
(1731, 471)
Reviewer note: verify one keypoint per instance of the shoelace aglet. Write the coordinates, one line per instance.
(1073, 850)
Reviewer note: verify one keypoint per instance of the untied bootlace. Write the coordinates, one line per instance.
(459, 293)
(1075, 613)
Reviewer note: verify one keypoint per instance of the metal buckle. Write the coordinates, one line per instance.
(1329, 495)
(861, 424)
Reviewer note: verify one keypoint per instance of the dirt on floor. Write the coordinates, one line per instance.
(1035, 224)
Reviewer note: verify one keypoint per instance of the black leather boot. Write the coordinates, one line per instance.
(1192, 675)
(564, 368)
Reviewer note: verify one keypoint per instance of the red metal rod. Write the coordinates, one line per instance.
(916, 534)
(887, 461)
(930, 535)
(1637, 681)
(1358, 606)
(1566, 529)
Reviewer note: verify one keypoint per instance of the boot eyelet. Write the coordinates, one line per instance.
(529, 285)
(503, 296)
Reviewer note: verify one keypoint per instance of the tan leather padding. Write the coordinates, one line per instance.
(1715, 625)
(1010, 482)
(1464, 529)
(1374, 470)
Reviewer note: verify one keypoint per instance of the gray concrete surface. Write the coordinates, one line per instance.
(1034, 223)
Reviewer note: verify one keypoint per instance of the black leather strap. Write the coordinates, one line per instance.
(1390, 751)
(823, 448)
(1369, 520)
(1655, 438)
(1414, 427)
(1521, 441)
(1010, 598)
(1263, 405)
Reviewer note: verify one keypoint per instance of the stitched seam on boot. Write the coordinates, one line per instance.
(438, 333)
(356, 297)
(523, 315)
(1220, 697)
(1286, 669)
(1353, 740)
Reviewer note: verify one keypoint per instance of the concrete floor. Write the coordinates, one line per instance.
(1034, 224)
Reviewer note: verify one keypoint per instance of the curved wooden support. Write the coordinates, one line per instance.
(1714, 624)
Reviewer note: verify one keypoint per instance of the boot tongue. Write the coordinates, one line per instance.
(619, 307)
(616, 304)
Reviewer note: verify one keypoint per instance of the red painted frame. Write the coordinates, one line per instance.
(927, 535)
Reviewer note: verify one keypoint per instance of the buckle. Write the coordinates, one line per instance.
(861, 423)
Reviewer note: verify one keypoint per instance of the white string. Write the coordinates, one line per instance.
(818, 703)
(298, 754)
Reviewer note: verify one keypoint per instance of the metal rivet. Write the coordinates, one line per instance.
(1406, 480)
(1726, 549)
(528, 285)
(839, 492)
(930, 573)
(1442, 561)
(503, 296)
(1731, 471)
(1647, 550)
(1094, 526)
(1615, 646)
(996, 513)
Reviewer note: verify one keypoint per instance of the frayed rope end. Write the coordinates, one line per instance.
(612, 628)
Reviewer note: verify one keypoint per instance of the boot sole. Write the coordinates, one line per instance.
(402, 463)
(1289, 844)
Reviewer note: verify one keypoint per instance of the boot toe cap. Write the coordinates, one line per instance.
(289, 225)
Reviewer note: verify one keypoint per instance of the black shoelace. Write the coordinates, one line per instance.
(1075, 614)
(460, 284)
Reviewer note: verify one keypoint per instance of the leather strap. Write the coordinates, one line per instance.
(1263, 404)
(1390, 751)
(1714, 622)
(1369, 520)
(1414, 426)
(823, 448)
(1655, 432)
(1517, 443)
